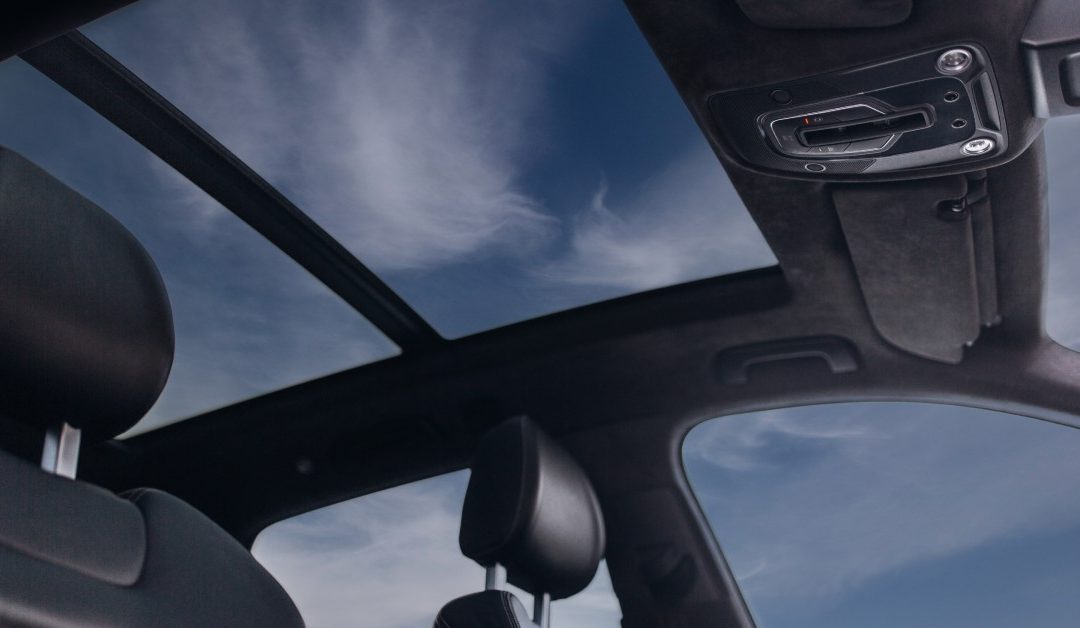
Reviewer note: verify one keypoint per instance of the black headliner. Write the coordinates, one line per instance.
(622, 381)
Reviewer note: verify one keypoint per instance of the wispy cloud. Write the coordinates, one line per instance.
(402, 126)
(682, 224)
(406, 129)
(420, 153)
(740, 444)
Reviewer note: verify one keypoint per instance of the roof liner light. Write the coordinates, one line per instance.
(954, 61)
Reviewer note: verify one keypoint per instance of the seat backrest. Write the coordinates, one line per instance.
(532, 518)
(86, 344)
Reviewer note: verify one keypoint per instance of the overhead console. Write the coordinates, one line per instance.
(928, 109)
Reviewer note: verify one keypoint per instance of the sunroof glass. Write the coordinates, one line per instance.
(248, 319)
(493, 161)
(1063, 170)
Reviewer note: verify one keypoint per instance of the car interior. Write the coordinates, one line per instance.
(891, 154)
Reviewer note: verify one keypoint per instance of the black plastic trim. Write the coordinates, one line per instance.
(91, 75)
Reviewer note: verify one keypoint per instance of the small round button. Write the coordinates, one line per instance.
(978, 146)
(954, 61)
(815, 167)
(781, 96)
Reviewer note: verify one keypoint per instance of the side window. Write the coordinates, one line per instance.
(391, 560)
(894, 514)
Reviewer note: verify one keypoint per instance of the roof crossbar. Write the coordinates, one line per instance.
(90, 74)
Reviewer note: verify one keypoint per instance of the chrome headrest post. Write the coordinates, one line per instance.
(495, 578)
(542, 610)
(60, 455)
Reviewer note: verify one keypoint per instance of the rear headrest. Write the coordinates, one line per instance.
(86, 333)
(530, 508)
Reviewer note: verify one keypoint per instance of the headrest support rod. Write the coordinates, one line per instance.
(60, 455)
(542, 610)
(495, 578)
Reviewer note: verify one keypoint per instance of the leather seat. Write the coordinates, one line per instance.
(86, 344)
(487, 608)
(531, 511)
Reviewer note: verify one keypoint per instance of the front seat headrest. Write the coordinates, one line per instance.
(530, 508)
(85, 325)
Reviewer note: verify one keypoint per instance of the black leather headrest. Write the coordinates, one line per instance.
(530, 508)
(86, 332)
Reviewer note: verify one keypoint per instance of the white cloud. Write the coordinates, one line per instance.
(424, 131)
(401, 126)
(738, 446)
(685, 223)
(405, 129)
(811, 503)
(391, 560)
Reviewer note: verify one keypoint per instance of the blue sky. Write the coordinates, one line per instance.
(493, 161)
(894, 514)
(496, 162)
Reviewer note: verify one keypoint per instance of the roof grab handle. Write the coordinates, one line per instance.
(837, 353)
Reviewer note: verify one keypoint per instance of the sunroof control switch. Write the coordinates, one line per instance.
(856, 128)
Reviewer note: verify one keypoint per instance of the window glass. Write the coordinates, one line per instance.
(1063, 172)
(391, 560)
(492, 161)
(248, 320)
(894, 515)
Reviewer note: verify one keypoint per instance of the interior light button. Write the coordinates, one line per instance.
(954, 61)
(978, 146)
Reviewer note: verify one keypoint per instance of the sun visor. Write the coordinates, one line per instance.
(1051, 46)
(923, 254)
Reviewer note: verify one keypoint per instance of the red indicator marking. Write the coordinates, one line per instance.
(806, 120)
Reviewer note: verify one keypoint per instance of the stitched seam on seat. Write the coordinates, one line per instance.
(134, 496)
(509, 608)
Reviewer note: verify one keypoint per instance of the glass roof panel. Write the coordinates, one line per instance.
(1063, 172)
(248, 319)
(894, 515)
(492, 161)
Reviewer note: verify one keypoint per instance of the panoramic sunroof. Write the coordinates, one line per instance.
(1063, 172)
(248, 319)
(492, 161)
